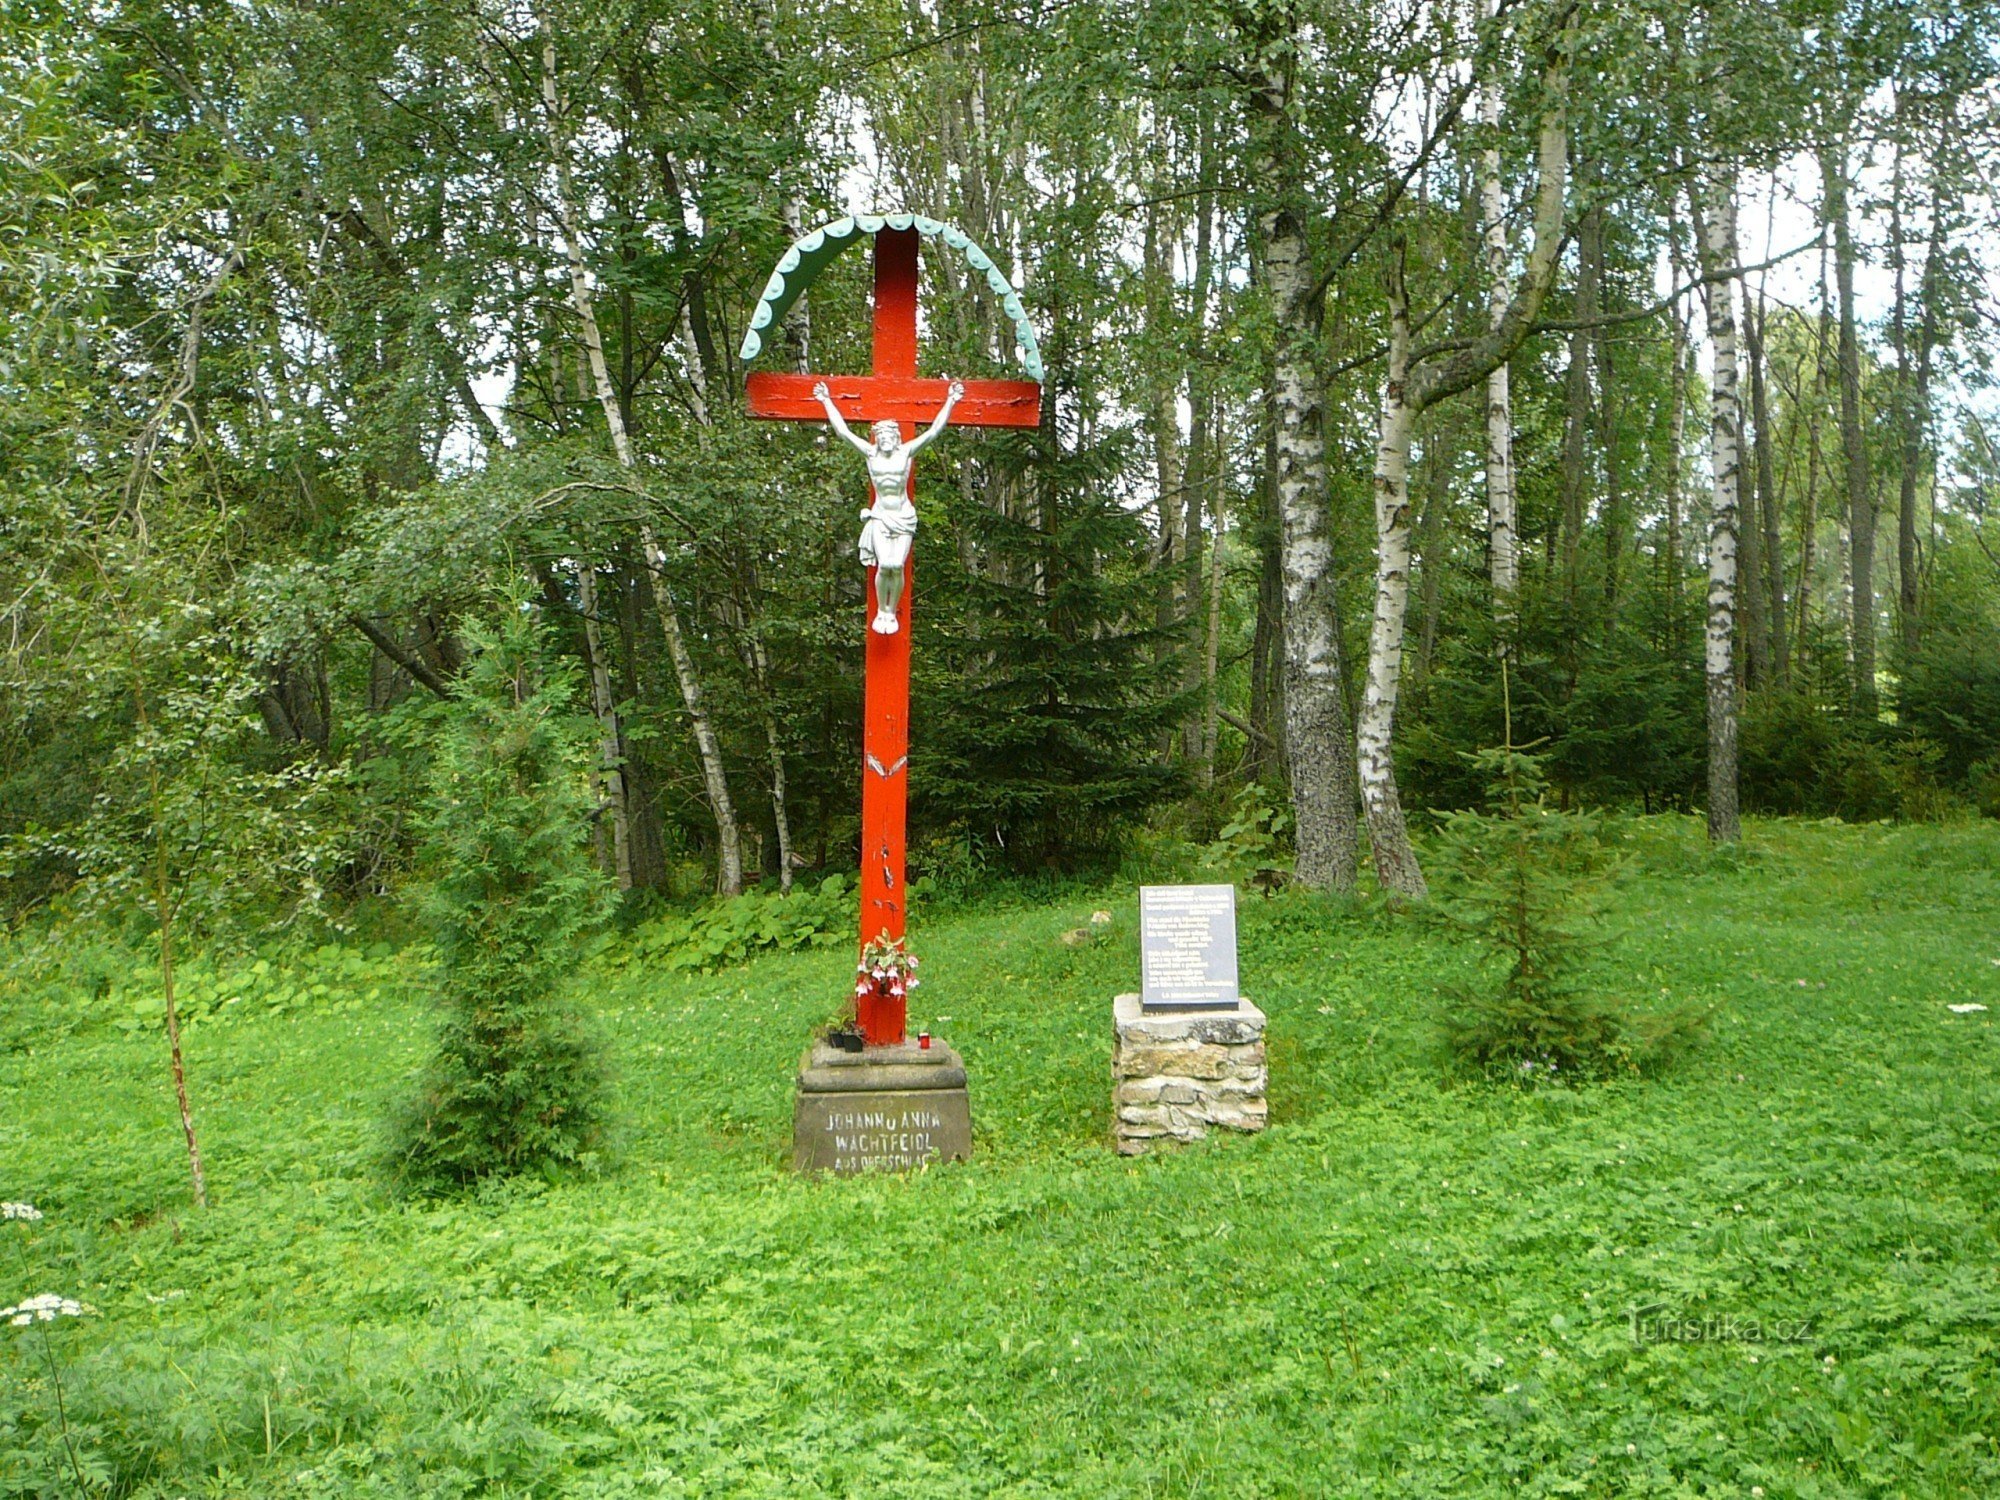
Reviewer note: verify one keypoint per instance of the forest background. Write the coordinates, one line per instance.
(1387, 345)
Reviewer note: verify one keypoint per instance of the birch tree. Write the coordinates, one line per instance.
(1715, 229)
(1853, 441)
(729, 854)
(1412, 385)
(1502, 528)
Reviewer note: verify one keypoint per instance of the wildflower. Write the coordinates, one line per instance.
(26, 1211)
(1631, 1447)
(46, 1309)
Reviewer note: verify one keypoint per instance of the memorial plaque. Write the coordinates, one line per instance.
(888, 1109)
(1187, 947)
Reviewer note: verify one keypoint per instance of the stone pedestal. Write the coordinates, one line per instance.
(885, 1109)
(1177, 1075)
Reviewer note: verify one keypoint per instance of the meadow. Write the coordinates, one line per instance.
(1771, 1271)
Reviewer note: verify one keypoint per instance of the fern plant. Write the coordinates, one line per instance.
(515, 1085)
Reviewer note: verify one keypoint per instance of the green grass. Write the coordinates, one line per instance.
(1407, 1286)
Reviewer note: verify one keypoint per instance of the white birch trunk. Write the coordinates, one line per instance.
(729, 854)
(1407, 392)
(1716, 226)
(1502, 530)
(1396, 867)
(1676, 447)
(1212, 649)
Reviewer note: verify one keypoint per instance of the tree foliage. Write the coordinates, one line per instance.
(511, 894)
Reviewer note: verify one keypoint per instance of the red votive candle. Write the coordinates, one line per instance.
(923, 1041)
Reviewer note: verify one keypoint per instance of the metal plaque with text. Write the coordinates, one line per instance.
(1187, 947)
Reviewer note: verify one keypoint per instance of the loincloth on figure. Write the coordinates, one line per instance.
(885, 537)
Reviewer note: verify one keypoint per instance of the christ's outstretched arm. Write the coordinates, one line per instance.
(839, 426)
(951, 399)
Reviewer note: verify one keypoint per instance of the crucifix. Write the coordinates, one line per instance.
(894, 396)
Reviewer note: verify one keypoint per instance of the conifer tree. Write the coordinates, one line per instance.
(515, 1085)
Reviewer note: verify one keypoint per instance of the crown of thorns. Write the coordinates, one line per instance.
(887, 427)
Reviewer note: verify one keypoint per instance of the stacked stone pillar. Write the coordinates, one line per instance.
(1178, 1075)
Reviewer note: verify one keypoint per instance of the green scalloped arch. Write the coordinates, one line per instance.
(810, 255)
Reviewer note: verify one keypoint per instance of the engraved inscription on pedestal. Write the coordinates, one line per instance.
(888, 1109)
(1187, 947)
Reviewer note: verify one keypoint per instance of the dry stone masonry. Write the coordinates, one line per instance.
(1175, 1077)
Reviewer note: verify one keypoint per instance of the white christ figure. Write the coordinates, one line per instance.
(891, 520)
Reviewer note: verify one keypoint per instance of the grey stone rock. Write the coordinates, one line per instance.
(1177, 1076)
(1245, 1023)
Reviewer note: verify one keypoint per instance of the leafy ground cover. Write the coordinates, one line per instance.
(1407, 1286)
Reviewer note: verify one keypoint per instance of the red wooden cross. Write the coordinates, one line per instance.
(893, 392)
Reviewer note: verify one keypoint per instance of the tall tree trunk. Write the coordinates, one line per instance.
(1809, 507)
(1753, 662)
(1212, 647)
(1407, 392)
(1853, 444)
(1206, 450)
(729, 854)
(1577, 406)
(1608, 411)
(610, 765)
(631, 587)
(1430, 541)
(1169, 462)
(1913, 379)
(760, 673)
(1716, 228)
(1266, 646)
(1675, 486)
(1503, 558)
(1396, 866)
(1319, 731)
(1766, 521)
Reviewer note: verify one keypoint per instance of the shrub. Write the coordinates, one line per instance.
(1518, 878)
(514, 1085)
(1950, 694)
(736, 929)
(1255, 843)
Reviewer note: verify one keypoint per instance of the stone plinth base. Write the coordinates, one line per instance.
(886, 1109)
(1176, 1076)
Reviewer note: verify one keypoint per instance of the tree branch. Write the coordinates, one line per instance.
(388, 646)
